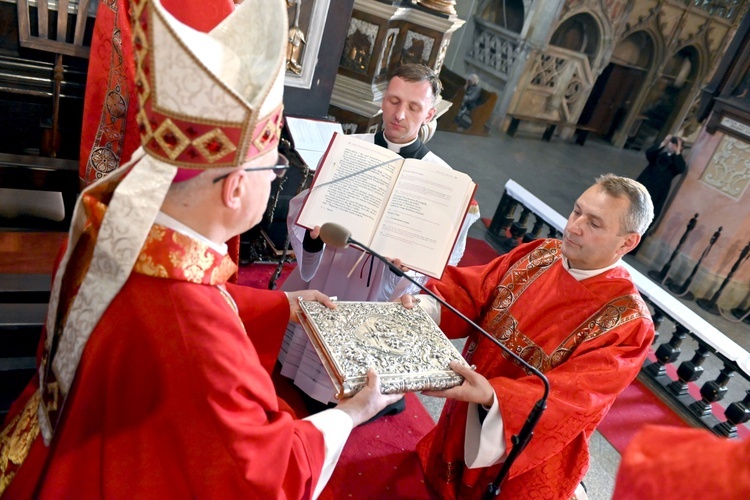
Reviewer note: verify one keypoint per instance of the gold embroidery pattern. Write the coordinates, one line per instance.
(146, 265)
(168, 254)
(521, 275)
(226, 268)
(16, 440)
(192, 257)
(612, 315)
(504, 326)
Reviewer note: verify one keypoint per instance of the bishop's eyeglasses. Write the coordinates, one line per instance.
(282, 165)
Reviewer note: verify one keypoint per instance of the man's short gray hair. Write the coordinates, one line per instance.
(641, 210)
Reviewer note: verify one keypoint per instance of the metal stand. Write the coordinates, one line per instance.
(683, 290)
(710, 305)
(660, 275)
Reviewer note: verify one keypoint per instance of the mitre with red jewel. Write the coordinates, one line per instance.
(209, 100)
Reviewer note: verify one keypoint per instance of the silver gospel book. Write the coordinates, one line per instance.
(405, 346)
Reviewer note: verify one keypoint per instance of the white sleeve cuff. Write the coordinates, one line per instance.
(336, 427)
(309, 263)
(484, 444)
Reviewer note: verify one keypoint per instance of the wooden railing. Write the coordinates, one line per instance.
(713, 352)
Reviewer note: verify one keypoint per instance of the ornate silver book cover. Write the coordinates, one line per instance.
(405, 347)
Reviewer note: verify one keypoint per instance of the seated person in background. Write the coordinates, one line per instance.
(154, 378)
(408, 103)
(675, 463)
(472, 96)
(569, 309)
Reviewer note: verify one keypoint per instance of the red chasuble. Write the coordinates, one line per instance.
(173, 396)
(589, 338)
(669, 462)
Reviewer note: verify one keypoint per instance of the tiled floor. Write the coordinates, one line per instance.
(556, 172)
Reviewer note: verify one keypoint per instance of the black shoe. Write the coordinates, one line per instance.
(391, 409)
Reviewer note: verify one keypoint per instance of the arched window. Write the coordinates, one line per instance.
(507, 14)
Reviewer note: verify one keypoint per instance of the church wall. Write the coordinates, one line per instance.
(715, 187)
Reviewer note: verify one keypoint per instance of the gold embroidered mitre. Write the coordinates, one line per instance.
(210, 100)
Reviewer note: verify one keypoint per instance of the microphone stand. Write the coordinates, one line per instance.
(523, 437)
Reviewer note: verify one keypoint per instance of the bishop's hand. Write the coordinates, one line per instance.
(295, 297)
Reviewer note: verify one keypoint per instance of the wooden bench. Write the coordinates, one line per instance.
(23, 311)
(41, 174)
(582, 132)
(550, 124)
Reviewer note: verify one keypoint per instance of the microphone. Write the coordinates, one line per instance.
(340, 237)
(335, 235)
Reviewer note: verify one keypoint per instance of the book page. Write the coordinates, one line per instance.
(311, 138)
(423, 216)
(351, 187)
(313, 379)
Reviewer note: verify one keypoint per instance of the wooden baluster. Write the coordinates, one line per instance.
(501, 221)
(535, 230)
(518, 229)
(552, 233)
(712, 391)
(689, 371)
(658, 318)
(667, 353)
(737, 413)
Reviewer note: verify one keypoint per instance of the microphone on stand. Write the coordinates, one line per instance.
(340, 237)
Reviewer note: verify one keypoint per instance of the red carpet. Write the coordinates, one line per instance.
(638, 406)
(258, 275)
(379, 460)
(477, 252)
(634, 408)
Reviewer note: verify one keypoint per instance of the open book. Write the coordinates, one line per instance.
(406, 348)
(402, 208)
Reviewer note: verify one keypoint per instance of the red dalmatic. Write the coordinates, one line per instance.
(589, 338)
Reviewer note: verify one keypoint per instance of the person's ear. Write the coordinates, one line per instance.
(430, 115)
(231, 190)
(631, 241)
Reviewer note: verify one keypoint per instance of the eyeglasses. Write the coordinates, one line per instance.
(282, 164)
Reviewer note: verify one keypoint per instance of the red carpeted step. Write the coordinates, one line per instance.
(638, 406)
(634, 408)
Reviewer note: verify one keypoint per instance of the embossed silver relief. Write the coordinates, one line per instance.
(405, 347)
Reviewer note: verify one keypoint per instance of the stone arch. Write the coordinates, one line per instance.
(584, 32)
(611, 104)
(508, 14)
(671, 94)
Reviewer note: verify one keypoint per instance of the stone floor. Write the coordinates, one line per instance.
(556, 172)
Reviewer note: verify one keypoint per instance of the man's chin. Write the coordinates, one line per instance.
(567, 248)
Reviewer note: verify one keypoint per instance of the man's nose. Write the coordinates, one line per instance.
(575, 226)
(400, 113)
